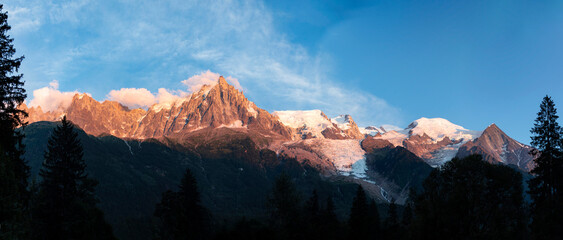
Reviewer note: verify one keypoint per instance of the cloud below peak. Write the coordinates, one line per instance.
(50, 98)
(133, 97)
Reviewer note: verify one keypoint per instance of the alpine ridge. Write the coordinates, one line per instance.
(311, 136)
(497, 147)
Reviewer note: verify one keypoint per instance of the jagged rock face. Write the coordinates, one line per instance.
(424, 147)
(92, 116)
(107, 117)
(219, 106)
(36, 114)
(370, 144)
(215, 106)
(348, 126)
(495, 146)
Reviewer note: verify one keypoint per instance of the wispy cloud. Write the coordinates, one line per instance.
(159, 43)
(195, 83)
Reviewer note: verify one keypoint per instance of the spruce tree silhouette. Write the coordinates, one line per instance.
(392, 222)
(181, 214)
(285, 207)
(546, 188)
(362, 222)
(66, 205)
(14, 171)
(330, 228)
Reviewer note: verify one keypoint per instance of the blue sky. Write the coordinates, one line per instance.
(384, 62)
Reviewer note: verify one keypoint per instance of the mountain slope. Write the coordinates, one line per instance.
(497, 147)
(435, 140)
(219, 106)
(233, 176)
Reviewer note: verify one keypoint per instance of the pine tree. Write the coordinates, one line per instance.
(181, 214)
(13, 169)
(407, 215)
(285, 207)
(66, 205)
(330, 227)
(374, 222)
(312, 205)
(312, 216)
(546, 186)
(361, 221)
(392, 222)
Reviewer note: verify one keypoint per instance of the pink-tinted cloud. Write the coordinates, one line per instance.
(165, 96)
(50, 98)
(195, 82)
(133, 97)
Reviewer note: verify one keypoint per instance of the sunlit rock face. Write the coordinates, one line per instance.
(497, 147)
(215, 106)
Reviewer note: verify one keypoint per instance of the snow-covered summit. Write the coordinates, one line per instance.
(342, 121)
(311, 121)
(438, 129)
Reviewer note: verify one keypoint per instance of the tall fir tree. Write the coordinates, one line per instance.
(14, 172)
(363, 217)
(330, 228)
(546, 188)
(66, 205)
(285, 206)
(181, 214)
(392, 222)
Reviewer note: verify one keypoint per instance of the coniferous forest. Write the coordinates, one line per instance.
(466, 198)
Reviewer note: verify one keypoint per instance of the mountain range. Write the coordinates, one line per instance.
(237, 149)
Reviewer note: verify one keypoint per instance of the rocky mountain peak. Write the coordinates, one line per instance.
(495, 146)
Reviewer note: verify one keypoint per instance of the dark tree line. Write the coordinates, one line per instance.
(14, 171)
(65, 205)
(466, 198)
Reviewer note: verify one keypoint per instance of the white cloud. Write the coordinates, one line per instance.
(23, 19)
(50, 98)
(133, 97)
(54, 84)
(195, 83)
(237, 38)
(165, 96)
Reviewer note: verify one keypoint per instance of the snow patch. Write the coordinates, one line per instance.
(235, 124)
(444, 155)
(313, 121)
(342, 122)
(251, 110)
(395, 137)
(347, 155)
(439, 128)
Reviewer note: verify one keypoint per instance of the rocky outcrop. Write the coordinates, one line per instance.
(315, 124)
(348, 126)
(370, 144)
(497, 147)
(108, 117)
(219, 106)
(36, 114)
(215, 106)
